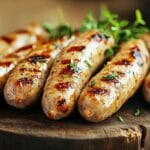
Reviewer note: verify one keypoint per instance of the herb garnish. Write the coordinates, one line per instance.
(92, 83)
(120, 118)
(59, 31)
(87, 63)
(110, 24)
(111, 76)
(137, 112)
(73, 66)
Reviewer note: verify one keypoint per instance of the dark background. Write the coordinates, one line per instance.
(17, 13)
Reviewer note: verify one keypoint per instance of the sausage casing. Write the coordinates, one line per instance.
(115, 83)
(26, 81)
(71, 70)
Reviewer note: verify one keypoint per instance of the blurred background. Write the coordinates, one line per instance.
(18, 13)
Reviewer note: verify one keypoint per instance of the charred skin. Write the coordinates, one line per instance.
(26, 81)
(71, 70)
(108, 94)
(15, 40)
(8, 62)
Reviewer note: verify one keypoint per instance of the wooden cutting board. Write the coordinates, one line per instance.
(30, 129)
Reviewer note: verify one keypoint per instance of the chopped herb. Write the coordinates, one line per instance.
(109, 52)
(120, 118)
(87, 63)
(92, 83)
(137, 112)
(139, 19)
(111, 76)
(73, 66)
(88, 23)
(47, 27)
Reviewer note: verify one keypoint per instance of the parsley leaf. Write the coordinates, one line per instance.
(137, 112)
(111, 76)
(87, 63)
(120, 118)
(73, 66)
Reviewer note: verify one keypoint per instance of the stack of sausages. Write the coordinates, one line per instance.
(62, 72)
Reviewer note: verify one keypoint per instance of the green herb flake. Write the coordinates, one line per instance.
(120, 118)
(87, 63)
(73, 66)
(92, 83)
(109, 52)
(137, 112)
(47, 27)
(111, 76)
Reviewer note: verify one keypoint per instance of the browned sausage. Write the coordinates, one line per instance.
(71, 70)
(26, 81)
(115, 83)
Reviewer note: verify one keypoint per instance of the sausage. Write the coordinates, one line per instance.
(9, 61)
(26, 81)
(71, 70)
(15, 40)
(146, 88)
(109, 89)
(146, 85)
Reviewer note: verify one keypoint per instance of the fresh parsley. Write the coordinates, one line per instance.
(111, 76)
(120, 118)
(137, 112)
(59, 31)
(73, 66)
(87, 63)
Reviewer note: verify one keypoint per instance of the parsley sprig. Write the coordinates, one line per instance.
(58, 31)
(110, 24)
(111, 76)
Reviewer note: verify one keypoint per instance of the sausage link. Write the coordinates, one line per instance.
(115, 83)
(15, 40)
(71, 70)
(26, 81)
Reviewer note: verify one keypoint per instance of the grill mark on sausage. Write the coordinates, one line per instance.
(24, 48)
(123, 62)
(7, 39)
(97, 37)
(135, 52)
(76, 49)
(5, 64)
(23, 31)
(38, 58)
(24, 81)
(68, 61)
(62, 86)
(98, 91)
(110, 80)
(29, 69)
(61, 105)
(67, 70)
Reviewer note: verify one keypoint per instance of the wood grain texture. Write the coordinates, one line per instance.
(30, 129)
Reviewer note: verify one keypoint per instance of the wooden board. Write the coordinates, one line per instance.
(30, 129)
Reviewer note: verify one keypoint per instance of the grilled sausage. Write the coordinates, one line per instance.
(146, 85)
(146, 88)
(108, 90)
(29, 35)
(26, 81)
(71, 70)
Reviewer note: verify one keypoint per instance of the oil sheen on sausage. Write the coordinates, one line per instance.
(71, 70)
(26, 81)
(15, 40)
(108, 90)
